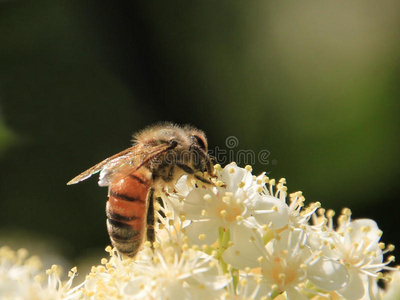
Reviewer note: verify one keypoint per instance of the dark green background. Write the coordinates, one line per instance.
(316, 83)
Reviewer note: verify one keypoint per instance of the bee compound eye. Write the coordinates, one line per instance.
(173, 144)
(199, 141)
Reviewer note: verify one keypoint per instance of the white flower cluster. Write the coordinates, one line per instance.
(21, 278)
(271, 247)
(242, 238)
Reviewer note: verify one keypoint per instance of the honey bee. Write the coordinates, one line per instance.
(160, 155)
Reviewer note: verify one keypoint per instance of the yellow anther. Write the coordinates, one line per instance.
(346, 211)
(248, 168)
(101, 269)
(239, 218)
(231, 170)
(259, 189)
(365, 229)
(223, 213)
(330, 213)
(202, 236)
(243, 282)
(302, 285)
(226, 199)
(367, 253)
(208, 198)
(217, 167)
(241, 184)
(219, 183)
(204, 213)
(258, 280)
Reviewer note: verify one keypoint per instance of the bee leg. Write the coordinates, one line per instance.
(150, 217)
(184, 167)
(202, 179)
(189, 170)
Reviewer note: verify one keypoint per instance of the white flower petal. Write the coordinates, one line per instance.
(357, 234)
(247, 247)
(355, 288)
(270, 210)
(293, 294)
(232, 175)
(134, 288)
(290, 240)
(195, 203)
(328, 274)
(207, 230)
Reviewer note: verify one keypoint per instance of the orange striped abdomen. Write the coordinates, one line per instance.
(127, 213)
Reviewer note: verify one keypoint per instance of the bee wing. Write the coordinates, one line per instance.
(118, 159)
(122, 163)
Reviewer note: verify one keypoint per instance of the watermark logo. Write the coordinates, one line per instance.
(241, 156)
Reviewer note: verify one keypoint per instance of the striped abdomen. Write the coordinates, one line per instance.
(126, 210)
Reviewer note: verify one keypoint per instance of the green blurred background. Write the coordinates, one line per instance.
(314, 83)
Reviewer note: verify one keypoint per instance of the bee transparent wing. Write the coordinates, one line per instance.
(122, 163)
(118, 159)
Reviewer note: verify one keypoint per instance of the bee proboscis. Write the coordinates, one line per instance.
(160, 155)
